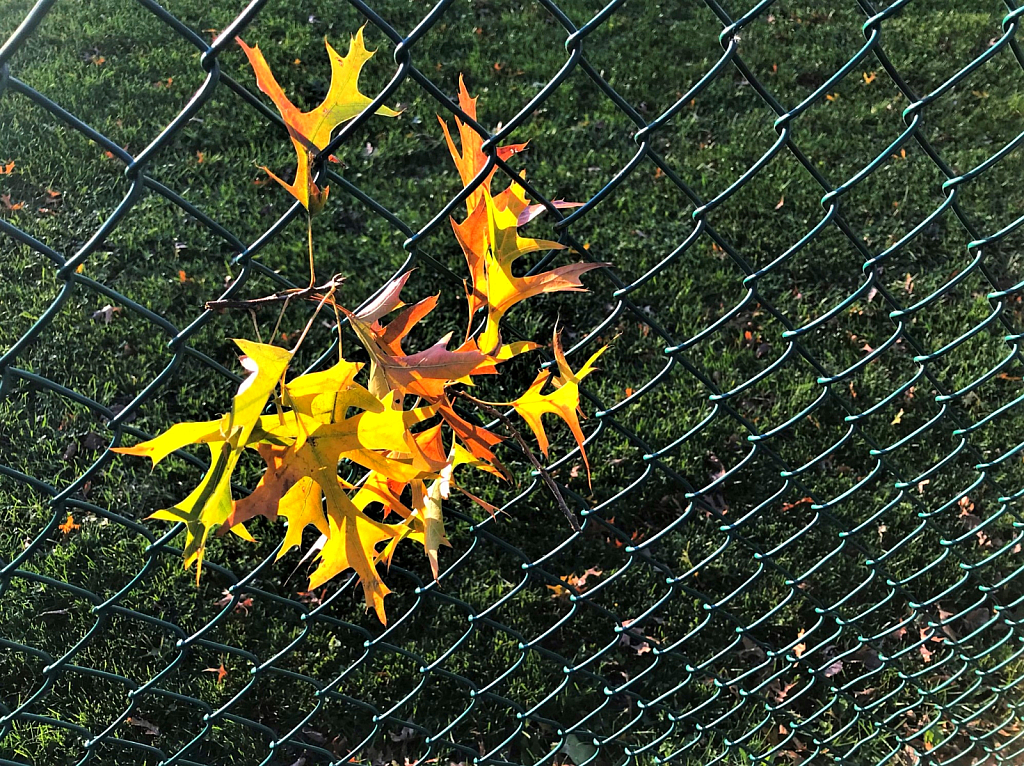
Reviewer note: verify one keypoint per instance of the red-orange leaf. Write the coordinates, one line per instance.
(471, 160)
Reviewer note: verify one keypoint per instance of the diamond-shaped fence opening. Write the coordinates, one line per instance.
(803, 538)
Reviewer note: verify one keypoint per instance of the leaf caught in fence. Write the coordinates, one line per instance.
(311, 131)
(410, 450)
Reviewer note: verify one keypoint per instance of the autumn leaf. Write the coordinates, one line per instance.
(107, 313)
(311, 131)
(470, 160)
(6, 168)
(564, 401)
(491, 244)
(210, 504)
(220, 670)
(351, 544)
(69, 525)
(5, 199)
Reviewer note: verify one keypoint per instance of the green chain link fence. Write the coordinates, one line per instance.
(853, 602)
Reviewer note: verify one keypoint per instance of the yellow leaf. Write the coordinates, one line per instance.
(351, 544)
(177, 436)
(210, 504)
(311, 131)
(433, 523)
(563, 401)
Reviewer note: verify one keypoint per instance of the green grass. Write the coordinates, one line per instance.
(651, 53)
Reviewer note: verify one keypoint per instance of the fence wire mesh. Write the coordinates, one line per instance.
(814, 556)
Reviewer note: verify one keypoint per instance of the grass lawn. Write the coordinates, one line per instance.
(804, 502)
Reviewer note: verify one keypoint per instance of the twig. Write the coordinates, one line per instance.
(314, 293)
(545, 475)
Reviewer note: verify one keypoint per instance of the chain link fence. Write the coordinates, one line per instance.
(817, 557)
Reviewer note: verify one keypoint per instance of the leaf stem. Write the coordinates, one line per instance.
(329, 295)
(313, 292)
(309, 237)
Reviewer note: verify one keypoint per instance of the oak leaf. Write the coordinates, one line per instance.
(311, 131)
(471, 160)
(209, 505)
(564, 401)
(491, 244)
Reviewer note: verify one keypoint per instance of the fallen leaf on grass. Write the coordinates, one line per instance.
(579, 583)
(221, 672)
(69, 526)
(800, 648)
(6, 169)
(833, 669)
(641, 644)
(6, 200)
(242, 606)
(150, 728)
(106, 314)
(797, 504)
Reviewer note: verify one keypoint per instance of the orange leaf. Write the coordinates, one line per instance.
(69, 526)
(311, 131)
(869, 78)
(199, 157)
(6, 169)
(491, 245)
(801, 501)
(220, 670)
(6, 200)
(471, 160)
(182, 277)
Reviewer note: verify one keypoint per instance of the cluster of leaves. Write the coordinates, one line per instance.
(394, 417)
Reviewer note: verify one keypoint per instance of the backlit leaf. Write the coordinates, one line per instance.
(311, 131)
